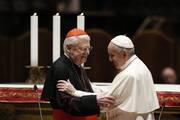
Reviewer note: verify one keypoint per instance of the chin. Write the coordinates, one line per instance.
(84, 60)
(117, 67)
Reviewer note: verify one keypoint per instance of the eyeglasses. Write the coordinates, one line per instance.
(83, 49)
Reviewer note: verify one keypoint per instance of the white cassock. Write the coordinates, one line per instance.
(134, 91)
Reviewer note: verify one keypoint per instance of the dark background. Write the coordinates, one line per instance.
(153, 26)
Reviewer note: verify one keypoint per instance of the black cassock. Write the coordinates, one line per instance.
(64, 69)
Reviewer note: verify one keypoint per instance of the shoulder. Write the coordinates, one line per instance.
(128, 76)
(124, 77)
(60, 66)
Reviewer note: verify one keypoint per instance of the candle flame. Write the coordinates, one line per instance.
(35, 14)
(57, 14)
(81, 14)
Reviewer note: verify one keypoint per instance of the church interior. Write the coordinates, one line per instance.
(152, 25)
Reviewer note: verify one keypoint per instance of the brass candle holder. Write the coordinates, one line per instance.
(36, 74)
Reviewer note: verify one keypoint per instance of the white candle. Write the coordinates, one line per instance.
(56, 37)
(34, 40)
(81, 21)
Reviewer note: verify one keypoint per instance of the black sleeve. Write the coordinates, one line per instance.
(48, 89)
(80, 106)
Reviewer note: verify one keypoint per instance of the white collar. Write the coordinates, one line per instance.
(128, 62)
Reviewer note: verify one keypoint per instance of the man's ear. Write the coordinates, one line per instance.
(68, 47)
(124, 53)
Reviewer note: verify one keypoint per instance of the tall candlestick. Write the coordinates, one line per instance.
(34, 40)
(56, 36)
(81, 21)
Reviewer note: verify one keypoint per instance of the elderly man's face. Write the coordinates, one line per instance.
(118, 58)
(79, 52)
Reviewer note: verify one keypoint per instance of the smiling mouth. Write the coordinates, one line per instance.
(84, 56)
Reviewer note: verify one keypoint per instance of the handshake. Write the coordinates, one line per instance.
(104, 102)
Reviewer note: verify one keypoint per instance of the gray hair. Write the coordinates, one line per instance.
(74, 40)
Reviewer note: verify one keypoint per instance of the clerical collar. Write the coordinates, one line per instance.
(66, 55)
(128, 62)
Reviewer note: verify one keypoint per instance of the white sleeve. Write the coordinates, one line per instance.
(80, 93)
(99, 89)
(96, 89)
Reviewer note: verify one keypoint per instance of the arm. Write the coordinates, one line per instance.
(66, 86)
(83, 93)
(81, 106)
(69, 88)
(121, 89)
(99, 89)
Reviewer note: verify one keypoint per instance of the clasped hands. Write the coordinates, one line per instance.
(104, 102)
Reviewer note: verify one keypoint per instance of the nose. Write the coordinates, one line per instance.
(86, 51)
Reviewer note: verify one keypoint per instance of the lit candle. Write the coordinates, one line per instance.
(56, 37)
(81, 21)
(34, 40)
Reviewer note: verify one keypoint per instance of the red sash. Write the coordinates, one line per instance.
(61, 115)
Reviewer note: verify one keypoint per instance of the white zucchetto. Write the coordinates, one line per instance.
(122, 41)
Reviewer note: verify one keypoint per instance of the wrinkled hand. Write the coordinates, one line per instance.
(105, 102)
(65, 86)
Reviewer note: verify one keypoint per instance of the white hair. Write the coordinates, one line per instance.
(73, 41)
(130, 51)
